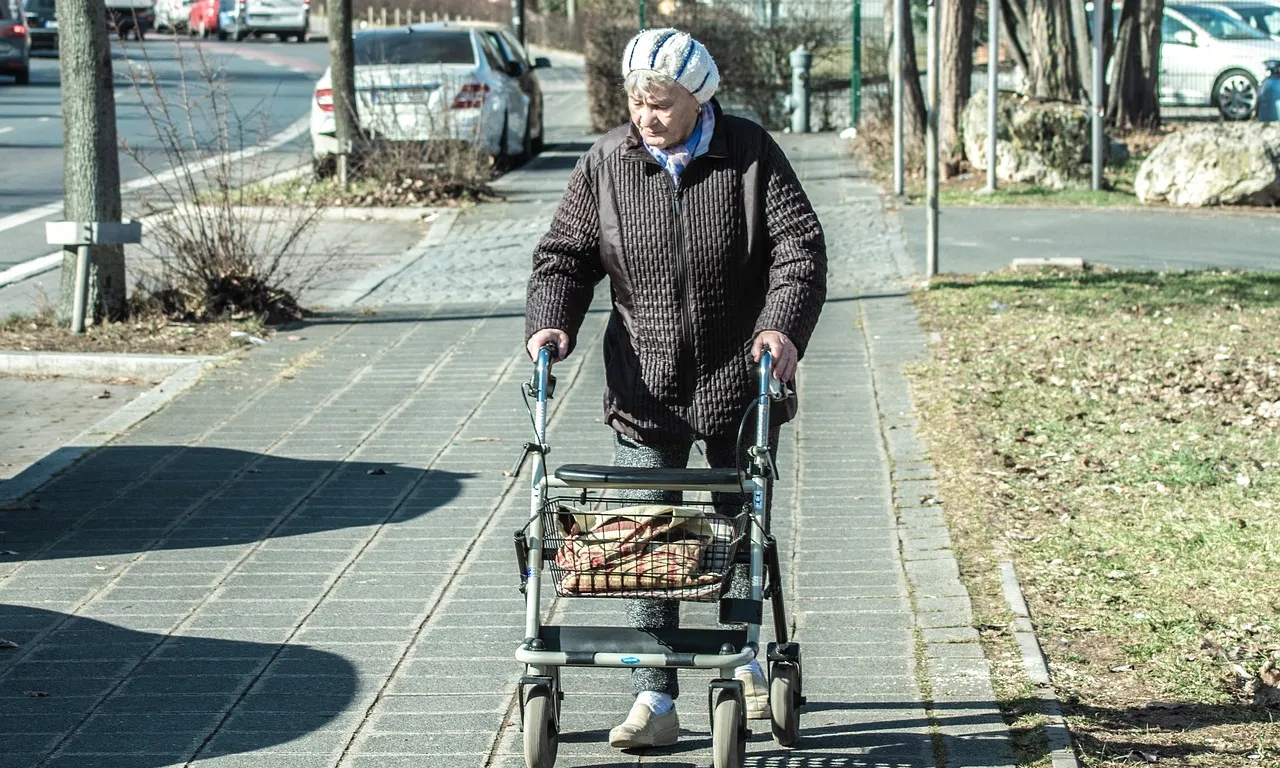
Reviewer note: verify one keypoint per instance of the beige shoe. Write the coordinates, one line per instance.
(755, 692)
(644, 729)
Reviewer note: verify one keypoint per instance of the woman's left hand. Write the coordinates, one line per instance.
(785, 355)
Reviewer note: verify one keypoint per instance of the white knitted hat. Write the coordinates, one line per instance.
(676, 55)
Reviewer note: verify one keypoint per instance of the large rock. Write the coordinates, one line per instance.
(1039, 142)
(1218, 164)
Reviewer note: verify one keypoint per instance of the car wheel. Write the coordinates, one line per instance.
(222, 35)
(1236, 95)
(526, 144)
(502, 160)
(23, 76)
(302, 36)
(539, 143)
(323, 167)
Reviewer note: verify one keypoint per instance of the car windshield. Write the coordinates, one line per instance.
(1218, 24)
(1263, 18)
(415, 47)
(38, 6)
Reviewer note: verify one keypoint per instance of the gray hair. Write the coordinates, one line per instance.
(647, 81)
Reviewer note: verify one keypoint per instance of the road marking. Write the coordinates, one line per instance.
(296, 129)
(28, 268)
(6, 129)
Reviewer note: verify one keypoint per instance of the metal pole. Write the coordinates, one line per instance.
(1099, 104)
(81, 297)
(517, 19)
(801, 61)
(855, 72)
(899, 171)
(931, 144)
(642, 27)
(993, 89)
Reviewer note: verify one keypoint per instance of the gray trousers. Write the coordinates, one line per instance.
(665, 614)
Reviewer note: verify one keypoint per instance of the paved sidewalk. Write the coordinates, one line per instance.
(306, 559)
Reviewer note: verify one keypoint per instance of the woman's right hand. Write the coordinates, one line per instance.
(548, 336)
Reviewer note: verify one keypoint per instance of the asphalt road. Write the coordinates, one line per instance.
(978, 239)
(266, 87)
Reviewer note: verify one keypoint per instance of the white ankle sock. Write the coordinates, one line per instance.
(658, 703)
(753, 668)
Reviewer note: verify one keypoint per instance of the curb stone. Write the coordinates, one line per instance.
(98, 365)
(175, 383)
(1056, 731)
(963, 707)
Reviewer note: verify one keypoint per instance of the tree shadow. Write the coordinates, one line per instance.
(133, 498)
(115, 696)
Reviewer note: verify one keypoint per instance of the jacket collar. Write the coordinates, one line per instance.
(719, 147)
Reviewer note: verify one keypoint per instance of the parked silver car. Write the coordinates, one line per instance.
(1208, 57)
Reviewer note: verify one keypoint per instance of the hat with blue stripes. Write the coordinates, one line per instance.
(676, 55)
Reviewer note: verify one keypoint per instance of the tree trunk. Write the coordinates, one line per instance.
(342, 79)
(913, 107)
(955, 76)
(1135, 74)
(90, 155)
(1041, 36)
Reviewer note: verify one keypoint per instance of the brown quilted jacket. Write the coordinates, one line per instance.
(695, 272)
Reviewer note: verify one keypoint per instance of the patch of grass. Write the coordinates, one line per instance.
(148, 334)
(1117, 435)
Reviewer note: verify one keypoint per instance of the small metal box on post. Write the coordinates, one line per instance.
(801, 62)
(83, 235)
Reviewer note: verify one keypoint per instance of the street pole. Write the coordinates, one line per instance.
(517, 19)
(642, 27)
(899, 170)
(1099, 103)
(855, 71)
(342, 71)
(931, 144)
(993, 89)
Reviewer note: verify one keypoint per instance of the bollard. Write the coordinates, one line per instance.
(1269, 94)
(801, 60)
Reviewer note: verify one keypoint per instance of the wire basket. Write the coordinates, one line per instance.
(619, 548)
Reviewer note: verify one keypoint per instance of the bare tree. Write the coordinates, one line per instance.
(1134, 101)
(342, 79)
(91, 163)
(1043, 36)
(955, 75)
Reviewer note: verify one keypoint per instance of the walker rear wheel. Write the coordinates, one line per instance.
(728, 731)
(784, 690)
(541, 734)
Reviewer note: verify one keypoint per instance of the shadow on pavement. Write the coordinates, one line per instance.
(146, 700)
(127, 499)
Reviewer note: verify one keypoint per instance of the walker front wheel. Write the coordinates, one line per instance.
(728, 731)
(541, 733)
(784, 696)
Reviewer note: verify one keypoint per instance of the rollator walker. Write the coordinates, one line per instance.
(689, 554)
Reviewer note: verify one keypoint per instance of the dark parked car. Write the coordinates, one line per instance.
(42, 23)
(130, 17)
(15, 42)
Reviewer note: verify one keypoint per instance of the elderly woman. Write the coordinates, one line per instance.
(713, 254)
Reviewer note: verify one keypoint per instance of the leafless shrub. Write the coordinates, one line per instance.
(211, 255)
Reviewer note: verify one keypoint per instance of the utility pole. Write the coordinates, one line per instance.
(993, 90)
(855, 72)
(517, 19)
(931, 145)
(342, 79)
(900, 21)
(1099, 102)
(90, 155)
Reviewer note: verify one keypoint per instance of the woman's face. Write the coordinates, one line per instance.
(666, 116)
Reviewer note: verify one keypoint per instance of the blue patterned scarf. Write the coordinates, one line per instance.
(677, 158)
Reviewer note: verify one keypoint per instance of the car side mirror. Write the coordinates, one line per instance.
(1185, 37)
(542, 62)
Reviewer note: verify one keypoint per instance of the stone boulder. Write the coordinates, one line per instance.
(1046, 143)
(1216, 164)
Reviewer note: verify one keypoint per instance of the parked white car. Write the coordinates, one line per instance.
(1210, 58)
(283, 18)
(468, 82)
(172, 15)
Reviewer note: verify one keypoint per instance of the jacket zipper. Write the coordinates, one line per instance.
(688, 374)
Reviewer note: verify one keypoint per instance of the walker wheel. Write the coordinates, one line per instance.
(784, 700)
(541, 734)
(728, 730)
